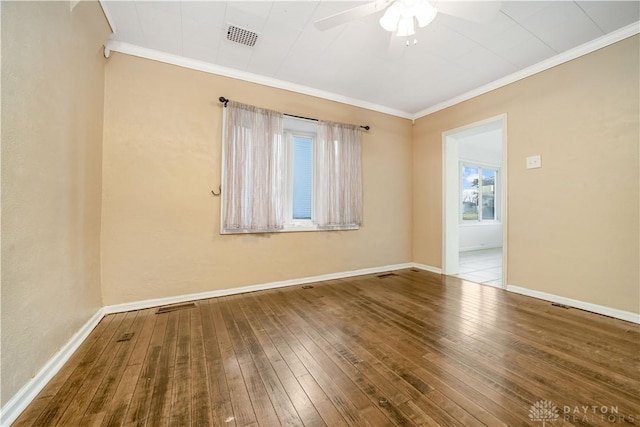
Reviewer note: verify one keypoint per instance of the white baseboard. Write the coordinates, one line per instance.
(14, 407)
(139, 305)
(594, 308)
(427, 268)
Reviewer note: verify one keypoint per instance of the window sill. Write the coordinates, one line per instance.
(480, 223)
(293, 228)
(305, 228)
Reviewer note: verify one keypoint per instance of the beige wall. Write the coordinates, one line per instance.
(160, 223)
(573, 225)
(52, 111)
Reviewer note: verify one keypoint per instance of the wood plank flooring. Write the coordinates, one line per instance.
(411, 348)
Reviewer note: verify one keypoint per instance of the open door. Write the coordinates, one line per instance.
(479, 147)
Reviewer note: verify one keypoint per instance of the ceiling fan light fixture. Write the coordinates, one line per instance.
(425, 13)
(399, 16)
(405, 27)
(389, 20)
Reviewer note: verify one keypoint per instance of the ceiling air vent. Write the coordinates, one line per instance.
(242, 36)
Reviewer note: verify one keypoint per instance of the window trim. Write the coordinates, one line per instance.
(497, 194)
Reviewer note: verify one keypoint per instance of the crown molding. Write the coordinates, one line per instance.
(108, 16)
(584, 49)
(181, 61)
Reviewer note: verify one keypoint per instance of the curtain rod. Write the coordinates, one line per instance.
(225, 101)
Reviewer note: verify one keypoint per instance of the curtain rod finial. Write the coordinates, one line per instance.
(223, 100)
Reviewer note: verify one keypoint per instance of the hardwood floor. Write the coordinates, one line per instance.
(410, 348)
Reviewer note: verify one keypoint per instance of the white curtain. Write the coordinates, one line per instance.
(338, 176)
(253, 187)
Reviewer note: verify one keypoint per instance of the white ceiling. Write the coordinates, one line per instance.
(358, 60)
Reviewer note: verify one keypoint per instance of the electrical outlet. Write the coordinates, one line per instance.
(534, 162)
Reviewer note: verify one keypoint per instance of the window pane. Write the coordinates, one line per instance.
(302, 177)
(470, 183)
(488, 194)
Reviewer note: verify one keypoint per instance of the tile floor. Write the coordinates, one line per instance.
(482, 266)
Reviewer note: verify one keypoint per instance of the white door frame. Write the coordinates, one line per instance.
(451, 196)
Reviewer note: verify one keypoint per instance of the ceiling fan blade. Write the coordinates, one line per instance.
(473, 10)
(351, 14)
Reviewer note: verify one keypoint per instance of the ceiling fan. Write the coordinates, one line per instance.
(400, 15)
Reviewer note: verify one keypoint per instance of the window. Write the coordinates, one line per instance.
(286, 174)
(478, 193)
(323, 179)
(302, 179)
(300, 137)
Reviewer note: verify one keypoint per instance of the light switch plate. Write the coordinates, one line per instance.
(534, 162)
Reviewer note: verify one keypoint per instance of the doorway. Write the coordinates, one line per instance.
(474, 202)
